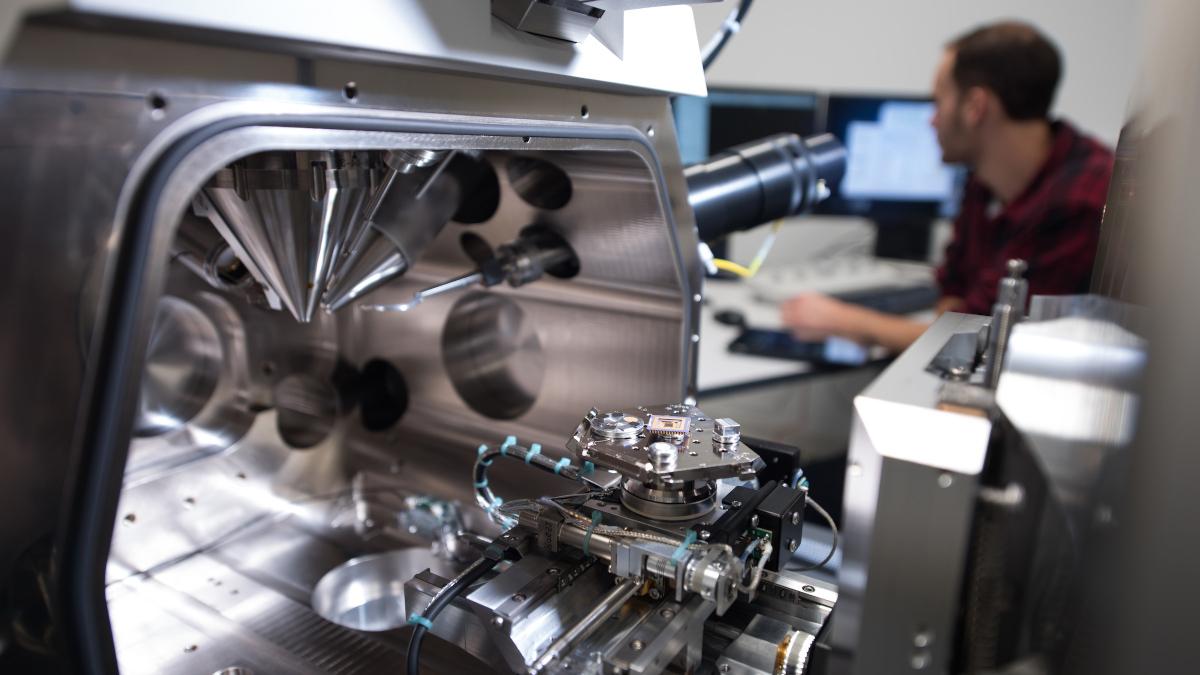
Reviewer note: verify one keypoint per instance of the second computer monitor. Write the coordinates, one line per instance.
(894, 168)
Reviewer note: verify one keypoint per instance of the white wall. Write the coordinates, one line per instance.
(892, 46)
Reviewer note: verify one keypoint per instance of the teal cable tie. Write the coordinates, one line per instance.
(482, 451)
(562, 464)
(534, 449)
(687, 541)
(508, 443)
(587, 538)
(481, 484)
(419, 620)
(588, 469)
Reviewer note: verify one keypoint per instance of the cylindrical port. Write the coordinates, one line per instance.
(760, 181)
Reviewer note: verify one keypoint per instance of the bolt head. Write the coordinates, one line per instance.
(808, 588)
(705, 535)
(498, 622)
(795, 517)
(793, 545)
(637, 645)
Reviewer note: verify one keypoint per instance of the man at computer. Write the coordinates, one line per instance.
(1036, 189)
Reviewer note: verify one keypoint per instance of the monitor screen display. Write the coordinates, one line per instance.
(894, 165)
(729, 117)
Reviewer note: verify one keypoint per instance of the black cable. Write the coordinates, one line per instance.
(731, 24)
(450, 591)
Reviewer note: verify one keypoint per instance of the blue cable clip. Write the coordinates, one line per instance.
(588, 469)
(483, 450)
(587, 538)
(508, 443)
(534, 449)
(687, 541)
(419, 620)
(562, 464)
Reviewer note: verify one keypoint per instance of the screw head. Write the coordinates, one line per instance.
(518, 597)
(793, 545)
(554, 571)
(945, 480)
(808, 588)
(498, 622)
(667, 613)
(795, 517)
(637, 645)
(705, 535)
(922, 639)
(724, 668)
(754, 520)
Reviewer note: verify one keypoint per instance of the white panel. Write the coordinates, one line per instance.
(661, 52)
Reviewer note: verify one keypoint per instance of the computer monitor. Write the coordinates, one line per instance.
(729, 117)
(894, 168)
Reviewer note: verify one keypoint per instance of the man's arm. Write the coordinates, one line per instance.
(812, 316)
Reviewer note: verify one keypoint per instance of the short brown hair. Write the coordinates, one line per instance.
(1015, 61)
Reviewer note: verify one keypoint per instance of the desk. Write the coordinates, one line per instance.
(793, 402)
(722, 370)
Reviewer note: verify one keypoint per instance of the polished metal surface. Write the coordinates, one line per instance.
(1072, 387)
(225, 519)
(367, 593)
(767, 646)
(686, 502)
(493, 356)
(604, 608)
(572, 22)
(183, 362)
(285, 214)
(622, 440)
(911, 482)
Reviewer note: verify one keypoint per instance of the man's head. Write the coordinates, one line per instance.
(996, 74)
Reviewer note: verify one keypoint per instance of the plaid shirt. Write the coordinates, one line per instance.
(1054, 225)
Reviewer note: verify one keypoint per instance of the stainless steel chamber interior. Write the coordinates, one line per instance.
(272, 506)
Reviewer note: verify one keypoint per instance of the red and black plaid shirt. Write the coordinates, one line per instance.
(1054, 225)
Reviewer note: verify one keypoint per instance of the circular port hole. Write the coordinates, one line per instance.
(366, 594)
(539, 182)
(384, 395)
(480, 189)
(183, 365)
(493, 355)
(305, 410)
(350, 91)
(549, 238)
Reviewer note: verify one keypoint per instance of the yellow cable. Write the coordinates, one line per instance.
(730, 266)
(747, 272)
(766, 247)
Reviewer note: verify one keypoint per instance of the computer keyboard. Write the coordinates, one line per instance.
(886, 285)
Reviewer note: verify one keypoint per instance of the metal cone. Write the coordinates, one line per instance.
(286, 212)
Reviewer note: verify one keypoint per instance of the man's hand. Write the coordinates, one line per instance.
(813, 316)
